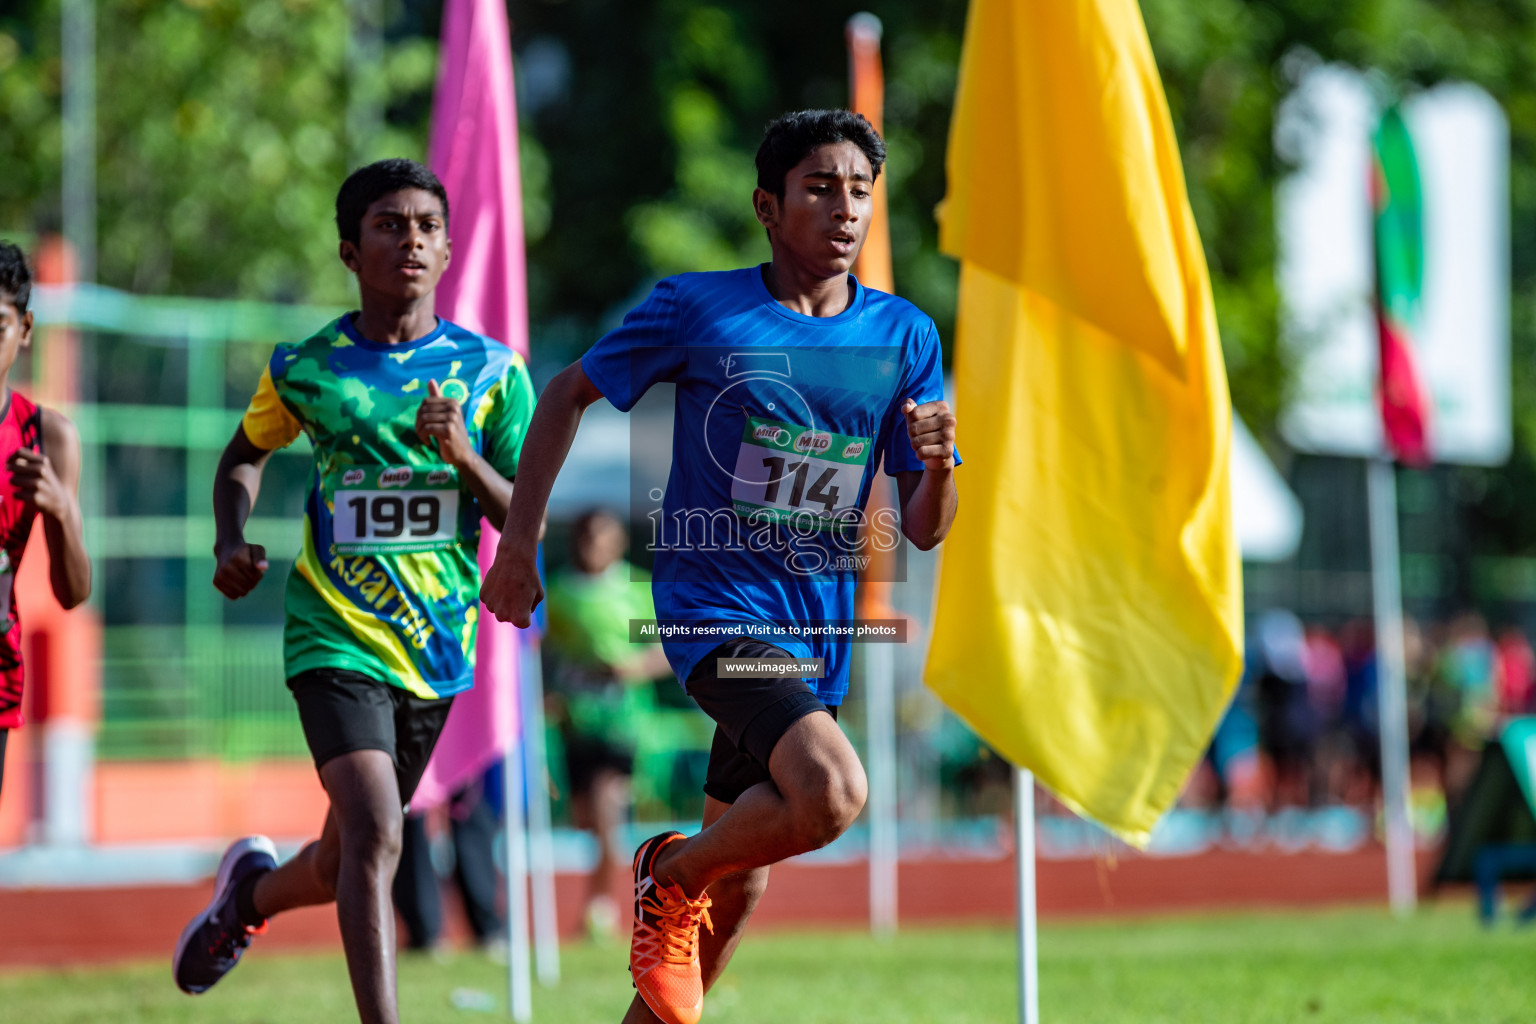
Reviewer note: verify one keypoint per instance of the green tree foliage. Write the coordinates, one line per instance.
(220, 136)
(652, 138)
(1226, 65)
(650, 114)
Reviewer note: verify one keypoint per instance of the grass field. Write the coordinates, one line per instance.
(1354, 966)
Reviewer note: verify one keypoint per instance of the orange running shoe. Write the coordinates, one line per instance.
(664, 949)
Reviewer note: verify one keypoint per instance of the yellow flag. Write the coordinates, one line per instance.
(1089, 621)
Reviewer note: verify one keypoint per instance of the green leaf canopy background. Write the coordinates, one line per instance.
(222, 139)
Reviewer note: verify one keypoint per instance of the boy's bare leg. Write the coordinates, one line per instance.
(600, 811)
(817, 791)
(353, 863)
(610, 797)
(307, 879)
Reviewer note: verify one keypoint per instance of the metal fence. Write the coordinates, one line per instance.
(159, 385)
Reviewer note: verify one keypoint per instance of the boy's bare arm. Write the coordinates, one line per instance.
(49, 480)
(236, 484)
(928, 496)
(511, 589)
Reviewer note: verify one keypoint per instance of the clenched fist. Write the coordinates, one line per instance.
(511, 590)
(241, 567)
(35, 482)
(441, 419)
(931, 427)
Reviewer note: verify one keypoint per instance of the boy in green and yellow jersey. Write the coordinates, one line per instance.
(417, 425)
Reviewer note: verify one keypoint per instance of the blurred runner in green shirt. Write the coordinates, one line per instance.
(600, 690)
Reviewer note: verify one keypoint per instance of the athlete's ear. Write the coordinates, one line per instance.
(348, 254)
(766, 205)
(26, 329)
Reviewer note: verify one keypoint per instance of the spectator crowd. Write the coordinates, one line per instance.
(1303, 728)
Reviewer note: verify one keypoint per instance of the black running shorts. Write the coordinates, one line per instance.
(343, 711)
(751, 714)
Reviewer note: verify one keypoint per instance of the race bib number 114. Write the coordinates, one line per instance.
(395, 509)
(786, 472)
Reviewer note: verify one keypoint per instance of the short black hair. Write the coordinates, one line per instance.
(365, 185)
(15, 276)
(592, 517)
(790, 138)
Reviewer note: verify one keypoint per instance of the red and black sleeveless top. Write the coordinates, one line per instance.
(21, 426)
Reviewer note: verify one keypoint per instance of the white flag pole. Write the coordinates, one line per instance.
(1391, 684)
(519, 975)
(1024, 850)
(880, 711)
(541, 847)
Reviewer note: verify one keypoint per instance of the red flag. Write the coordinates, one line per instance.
(1404, 407)
(1396, 198)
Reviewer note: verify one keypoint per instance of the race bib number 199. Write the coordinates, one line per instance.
(786, 472)
(395, 509)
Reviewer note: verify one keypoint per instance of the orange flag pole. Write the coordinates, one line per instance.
(873, 269)
(867, 97)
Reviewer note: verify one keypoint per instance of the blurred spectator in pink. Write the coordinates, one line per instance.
(1326, 683)
(1324, 664)
(1517, 672)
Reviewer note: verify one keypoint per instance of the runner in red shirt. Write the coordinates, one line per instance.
(42, 461)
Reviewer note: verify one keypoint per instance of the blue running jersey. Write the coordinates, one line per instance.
(781, 421)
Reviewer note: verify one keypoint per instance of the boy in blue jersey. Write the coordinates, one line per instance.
(793, 384)
(417, 425)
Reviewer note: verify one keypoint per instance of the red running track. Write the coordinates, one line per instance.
(51, 927)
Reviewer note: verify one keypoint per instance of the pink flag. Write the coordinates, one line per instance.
(474, 152)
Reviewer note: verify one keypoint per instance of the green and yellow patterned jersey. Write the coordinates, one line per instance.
(387, 583)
